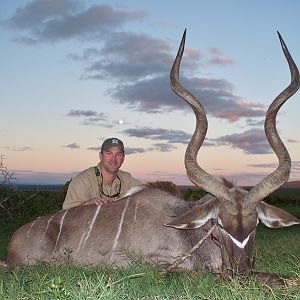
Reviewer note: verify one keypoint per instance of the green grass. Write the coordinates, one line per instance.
(141, 282)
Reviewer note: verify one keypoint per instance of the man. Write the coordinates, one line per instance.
(103, 183)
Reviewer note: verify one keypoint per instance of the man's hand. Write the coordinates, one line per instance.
(96, 201)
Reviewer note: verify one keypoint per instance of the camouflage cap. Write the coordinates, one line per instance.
(112, 142)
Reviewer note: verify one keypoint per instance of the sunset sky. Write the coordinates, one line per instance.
(76, 72)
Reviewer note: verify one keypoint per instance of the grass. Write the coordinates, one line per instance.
(140, 282)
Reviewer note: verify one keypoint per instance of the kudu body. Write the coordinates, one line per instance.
(112, 233)
(148, 222)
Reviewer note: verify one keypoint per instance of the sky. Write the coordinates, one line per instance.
(74, 73)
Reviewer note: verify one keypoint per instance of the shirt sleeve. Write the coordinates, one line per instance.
(76, 194)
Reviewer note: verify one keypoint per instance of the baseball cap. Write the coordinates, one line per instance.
(112, 142)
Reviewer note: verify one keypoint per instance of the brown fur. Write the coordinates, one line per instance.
(166, 186)
(101, 234)
(228, 183)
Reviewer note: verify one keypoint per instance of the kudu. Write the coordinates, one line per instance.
(157, 224)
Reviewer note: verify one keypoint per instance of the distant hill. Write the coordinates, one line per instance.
(40, 187)
(51, 187)
(292, 185)
(288, 185)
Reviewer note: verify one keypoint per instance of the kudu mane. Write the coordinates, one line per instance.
(228, 183)
(166, 186)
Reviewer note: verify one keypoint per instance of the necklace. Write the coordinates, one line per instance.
(100, 184)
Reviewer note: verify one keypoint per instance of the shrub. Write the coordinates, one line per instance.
(27, 205)
(192, 194)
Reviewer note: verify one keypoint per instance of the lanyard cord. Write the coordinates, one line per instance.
(100, 184)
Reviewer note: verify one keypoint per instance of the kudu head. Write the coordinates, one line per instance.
(235, 211)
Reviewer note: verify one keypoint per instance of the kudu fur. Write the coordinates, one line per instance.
(159, 225)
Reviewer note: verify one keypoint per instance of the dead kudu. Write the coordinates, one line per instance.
(159, 225)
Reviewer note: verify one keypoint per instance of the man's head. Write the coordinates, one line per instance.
(112, 142)
(112, 155)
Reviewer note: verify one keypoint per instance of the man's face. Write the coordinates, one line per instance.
(112, 159)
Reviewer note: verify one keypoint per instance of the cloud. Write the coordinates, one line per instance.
(137, 65)
(128, 150)
(253, 122)
(221, 61)
(264, 166)
(216, 58)
(19, 149)
(131, 150)
(97, 121)
(92, 118)
(163, 147)
(153, 95)
(72, 146)
(154, 134)
(82, 113)
(294, 175)
(60, 20)
(131, 56)
(88, 53)
(94, 148)
(251, 141)
(169, 135)
(34, 13)
(295, 166)
(145, 71)
(292, 141)
(246, 179)
(140, 65)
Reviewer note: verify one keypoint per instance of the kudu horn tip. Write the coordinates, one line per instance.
(281, 41)
(174, 74)
(182, 41)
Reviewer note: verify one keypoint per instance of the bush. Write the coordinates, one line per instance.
(281, 197)
(26, 204)
(284, 197)
(192, 194)
(29, 204)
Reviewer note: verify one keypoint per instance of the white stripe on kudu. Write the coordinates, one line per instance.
(92, 224)
(60, 229)
(46, 230)
(29, 230)
(119, 228)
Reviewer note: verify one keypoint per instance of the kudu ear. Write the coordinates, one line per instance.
(275, 217)
(197, 216)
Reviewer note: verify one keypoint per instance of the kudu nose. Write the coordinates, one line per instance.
(241, 263)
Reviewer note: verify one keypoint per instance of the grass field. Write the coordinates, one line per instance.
(278, 251)
(140, 282)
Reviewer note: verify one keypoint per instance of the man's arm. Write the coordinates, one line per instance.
(78, 194)
(96, 201)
